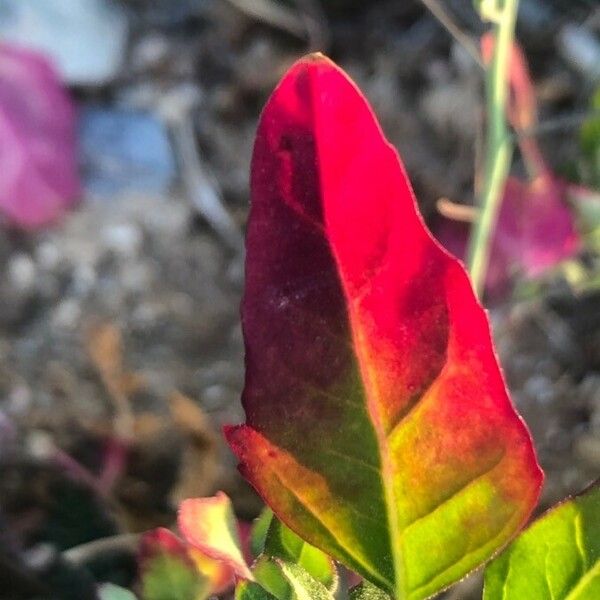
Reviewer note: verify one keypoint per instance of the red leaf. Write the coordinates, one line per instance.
(163, 541)
(378, 425)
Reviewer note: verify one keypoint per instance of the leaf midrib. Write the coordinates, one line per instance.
(350, 554)
(370, 392)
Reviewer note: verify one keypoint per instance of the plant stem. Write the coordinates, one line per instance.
(499, 145)
(84, 553)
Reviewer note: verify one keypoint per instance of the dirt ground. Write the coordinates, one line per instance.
(120, 345)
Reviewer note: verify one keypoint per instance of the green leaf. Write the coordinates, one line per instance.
(304, 586)
(587, 207)
(288, 581)
(269, 575)
(109, 591)
(589, 165)
(556, 558)
(367, 591)
(281, 542)
(249, 590)
(260, 528)
(166, 577)
(167, 571)
(590, 130)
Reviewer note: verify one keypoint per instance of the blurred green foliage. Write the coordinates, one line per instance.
(589, 167)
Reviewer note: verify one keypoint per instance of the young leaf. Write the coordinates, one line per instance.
(209, 525)
(281, 542)
(168, 579)
(304, 586)
(249, 590)
(260, 528)
(288, 581)
(556, 558)
(268, 574)
(167, 570)
(367, 591)
(378, 426)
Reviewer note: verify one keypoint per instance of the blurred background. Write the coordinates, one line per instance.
(126, 131)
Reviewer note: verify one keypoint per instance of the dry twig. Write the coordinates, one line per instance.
(456, 212)
(437, 9)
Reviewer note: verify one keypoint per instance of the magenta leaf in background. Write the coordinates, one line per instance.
(536, 226)
(38, 167)
(534, 232)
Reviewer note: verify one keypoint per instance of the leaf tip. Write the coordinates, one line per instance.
(317, 57)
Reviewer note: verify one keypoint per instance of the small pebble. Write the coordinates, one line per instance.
(21, 272)
(66, 315)
(215, 397)
(587, 447)
(124, 239)
(84, 279)
(540, 388)
(47, 256)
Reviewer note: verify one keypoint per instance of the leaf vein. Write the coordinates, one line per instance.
(486, 471)
(319, 519)
(354, 459)
(441, 573)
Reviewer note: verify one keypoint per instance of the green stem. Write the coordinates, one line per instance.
(499, 145)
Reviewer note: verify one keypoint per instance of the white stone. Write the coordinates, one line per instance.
(86, 39)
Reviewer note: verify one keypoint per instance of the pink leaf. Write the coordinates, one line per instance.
(209, 525)
(535, 228)
(38, 171)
